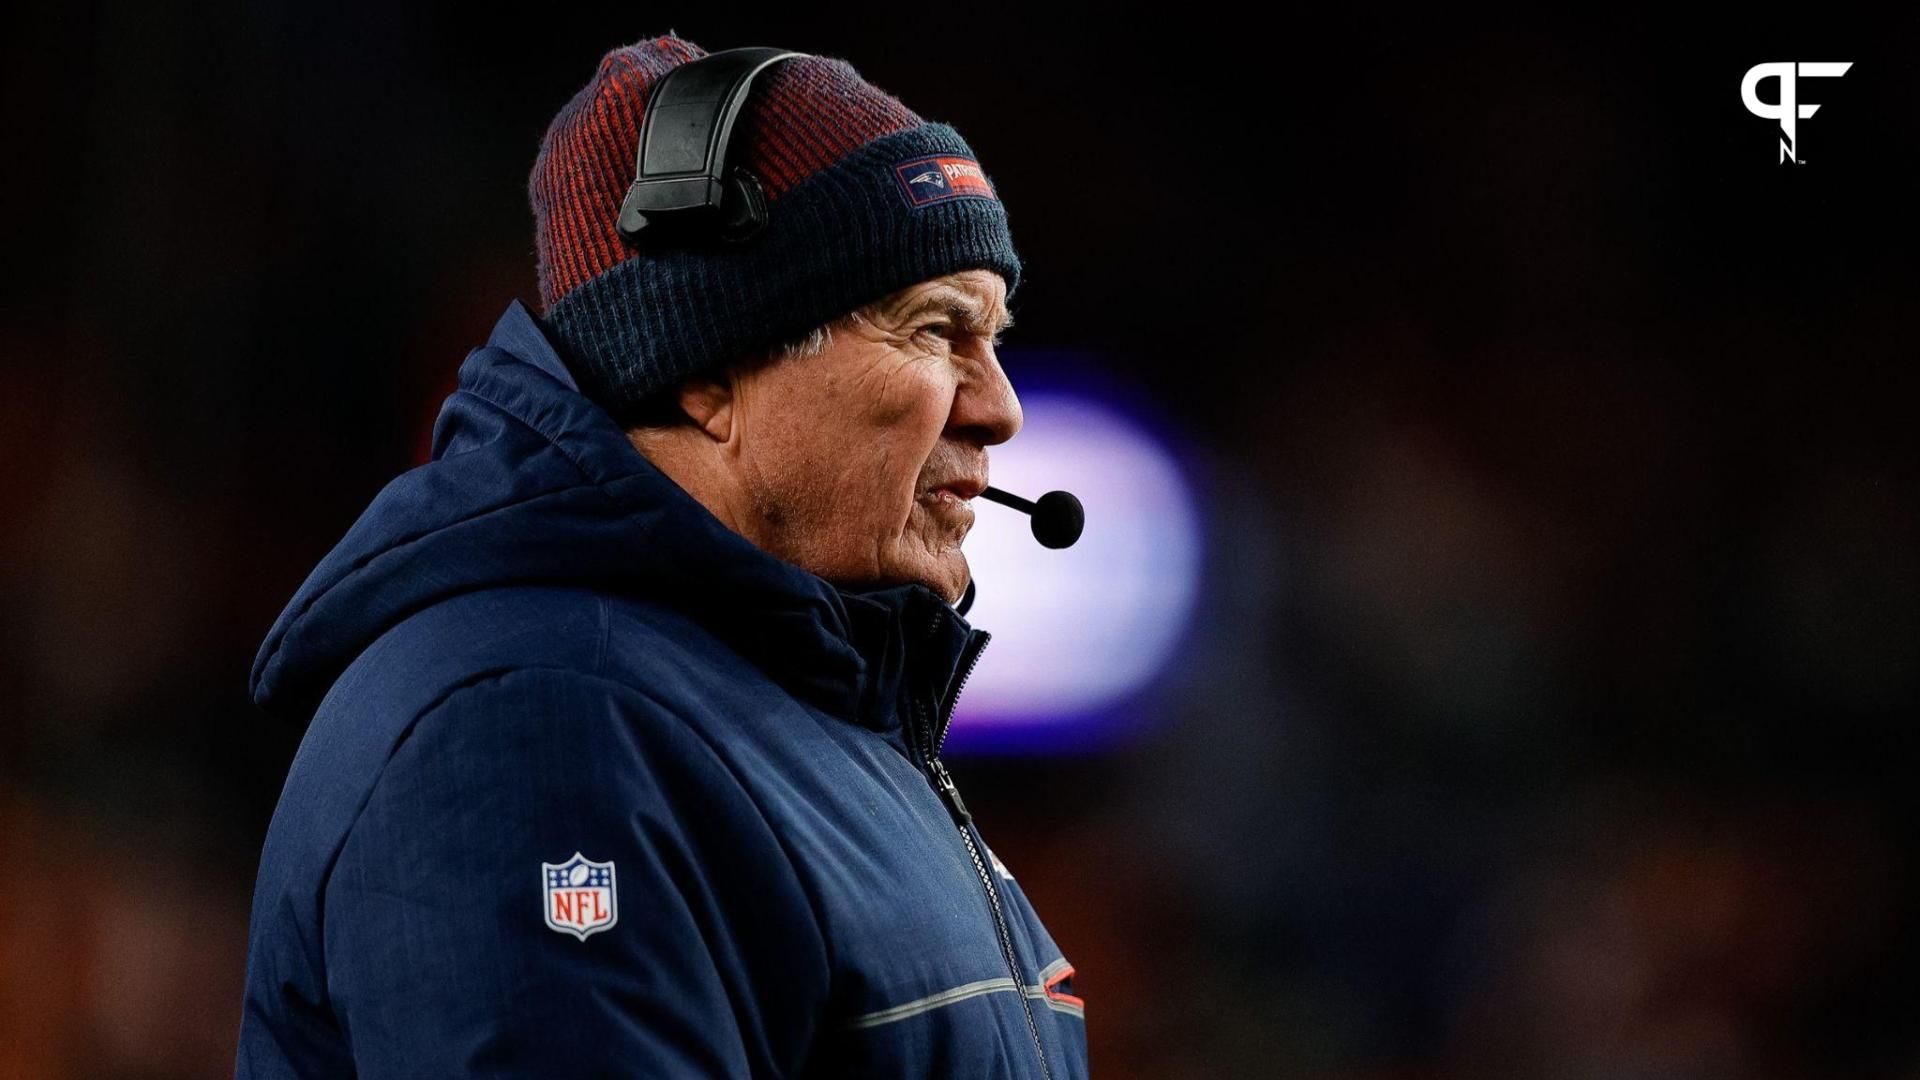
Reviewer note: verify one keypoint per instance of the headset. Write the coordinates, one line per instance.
(683, 186)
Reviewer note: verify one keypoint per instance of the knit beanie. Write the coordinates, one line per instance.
(864, 198)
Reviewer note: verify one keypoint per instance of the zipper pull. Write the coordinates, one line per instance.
(944, 781)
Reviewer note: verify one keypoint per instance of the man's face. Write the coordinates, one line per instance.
(860, 464)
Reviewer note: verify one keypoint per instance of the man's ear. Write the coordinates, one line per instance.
(709, 404)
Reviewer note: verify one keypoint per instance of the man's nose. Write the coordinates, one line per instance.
(986, 410)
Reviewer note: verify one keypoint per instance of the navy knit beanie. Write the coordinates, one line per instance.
(864, 198)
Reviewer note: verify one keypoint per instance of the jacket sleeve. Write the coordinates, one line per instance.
(441, 960)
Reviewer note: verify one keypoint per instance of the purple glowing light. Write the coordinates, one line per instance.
(1077, 633)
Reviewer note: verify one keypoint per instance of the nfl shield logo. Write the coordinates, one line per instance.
(579, 895)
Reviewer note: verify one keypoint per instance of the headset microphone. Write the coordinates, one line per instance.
(1057, 521)
(1057, 517)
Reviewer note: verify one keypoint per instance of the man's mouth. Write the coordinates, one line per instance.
(960, 490)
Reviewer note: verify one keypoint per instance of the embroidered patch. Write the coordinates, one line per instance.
(928, 180)
(579, 896)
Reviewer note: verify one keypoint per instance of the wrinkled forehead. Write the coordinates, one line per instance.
(974, 298)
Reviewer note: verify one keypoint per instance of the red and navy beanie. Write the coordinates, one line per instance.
(864, 198)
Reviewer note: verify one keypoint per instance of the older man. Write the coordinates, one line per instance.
(626, 709)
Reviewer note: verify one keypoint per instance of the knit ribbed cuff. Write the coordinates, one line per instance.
(841, 238)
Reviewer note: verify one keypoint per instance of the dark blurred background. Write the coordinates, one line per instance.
(1549, 710)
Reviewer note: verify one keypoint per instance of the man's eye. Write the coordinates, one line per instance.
(947, 327)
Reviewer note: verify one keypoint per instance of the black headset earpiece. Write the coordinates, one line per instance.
(683, 186)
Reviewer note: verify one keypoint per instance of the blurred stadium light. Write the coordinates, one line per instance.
(1078, 633)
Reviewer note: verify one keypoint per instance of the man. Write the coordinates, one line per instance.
(626, 708)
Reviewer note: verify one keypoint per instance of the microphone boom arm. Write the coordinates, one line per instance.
(1057, 516)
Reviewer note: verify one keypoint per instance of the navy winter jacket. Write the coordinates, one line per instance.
(595, 787)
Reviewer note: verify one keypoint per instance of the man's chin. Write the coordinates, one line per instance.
(947, 584)
(952, 585)
(948, 581)
(940, 587)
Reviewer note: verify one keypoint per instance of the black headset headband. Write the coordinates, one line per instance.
(681, 176)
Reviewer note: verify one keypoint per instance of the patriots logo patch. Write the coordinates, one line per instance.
(928, 180)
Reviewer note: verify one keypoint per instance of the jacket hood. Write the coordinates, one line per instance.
(529, 483)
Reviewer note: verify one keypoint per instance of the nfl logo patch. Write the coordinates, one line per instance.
(928, 180)
(579, 895)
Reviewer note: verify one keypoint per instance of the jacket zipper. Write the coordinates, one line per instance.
(943, 783)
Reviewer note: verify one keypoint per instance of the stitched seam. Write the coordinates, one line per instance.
(571, 457)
